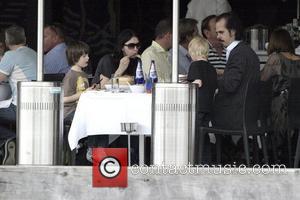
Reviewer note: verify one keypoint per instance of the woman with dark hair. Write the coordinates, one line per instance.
(281, 66)
(122, 62)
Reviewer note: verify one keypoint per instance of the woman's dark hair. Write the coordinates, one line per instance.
(123, 37)
(75, 50)
(233, 23)
(281, 41)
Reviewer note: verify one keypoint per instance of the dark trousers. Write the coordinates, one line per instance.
(202, 120)
(7, 117)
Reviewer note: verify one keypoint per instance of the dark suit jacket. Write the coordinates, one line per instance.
(228, 106)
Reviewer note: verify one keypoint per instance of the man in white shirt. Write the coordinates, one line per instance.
(199, 9)
(158, 51)
(242, 66)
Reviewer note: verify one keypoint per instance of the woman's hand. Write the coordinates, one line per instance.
(124, 62)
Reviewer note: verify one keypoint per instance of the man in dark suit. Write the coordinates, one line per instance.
(242, 65)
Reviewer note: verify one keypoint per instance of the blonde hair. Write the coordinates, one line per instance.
(198, 47)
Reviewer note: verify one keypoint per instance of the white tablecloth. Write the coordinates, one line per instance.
(100, 112)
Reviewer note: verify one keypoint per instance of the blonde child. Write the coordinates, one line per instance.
(204, 75)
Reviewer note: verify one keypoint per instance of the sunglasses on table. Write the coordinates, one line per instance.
(132, 45)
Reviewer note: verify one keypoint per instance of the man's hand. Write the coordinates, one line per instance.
(3, 77)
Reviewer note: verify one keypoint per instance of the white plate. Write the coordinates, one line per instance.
(137, 88)
(121, 87)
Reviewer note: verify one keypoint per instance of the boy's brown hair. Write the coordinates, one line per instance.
(75, 50)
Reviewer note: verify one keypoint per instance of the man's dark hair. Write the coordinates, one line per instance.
(15, 35)
(205, 24)
(186, 28)
(163, 27)
(57, 29)
(75, 50)
(233, 23)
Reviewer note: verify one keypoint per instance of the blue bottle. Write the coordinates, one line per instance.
(152, 72)
(148, 84)
(139, 75)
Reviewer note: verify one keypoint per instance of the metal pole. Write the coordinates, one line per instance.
(40, 28)
(175, 41)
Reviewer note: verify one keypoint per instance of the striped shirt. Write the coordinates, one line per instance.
(218, 61)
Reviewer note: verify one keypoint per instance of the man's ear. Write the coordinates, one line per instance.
(232, 33)
(168, 35)
(56, 38)
(206, 33)
(189, 37)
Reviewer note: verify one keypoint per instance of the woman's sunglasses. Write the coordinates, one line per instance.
(132, 45)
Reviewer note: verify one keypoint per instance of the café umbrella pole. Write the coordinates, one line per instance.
(40, 28)
(173, 114)
(39, 114)
(175, 45)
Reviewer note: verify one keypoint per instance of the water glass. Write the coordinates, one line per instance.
(115, 84)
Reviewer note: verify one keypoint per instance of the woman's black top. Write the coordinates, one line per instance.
(108, 65)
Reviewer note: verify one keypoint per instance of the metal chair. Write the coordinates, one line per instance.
(250, 125)
(8, 151)
(294, 117)
(265, 114)
(297, 156)
(54, 77)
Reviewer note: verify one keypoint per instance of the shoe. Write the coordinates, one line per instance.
(89, 155)
(9, 152)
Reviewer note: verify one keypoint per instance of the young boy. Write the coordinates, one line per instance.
(75, 81)
(204, 74)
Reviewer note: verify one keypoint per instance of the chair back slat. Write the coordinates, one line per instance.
(294, 103)
(251, 103)
(54, 77)
(265, 100)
